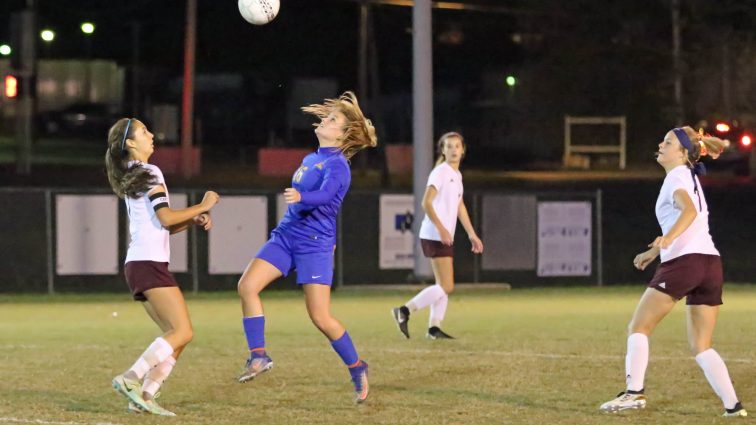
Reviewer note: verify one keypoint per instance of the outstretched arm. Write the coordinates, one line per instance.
(169, 217)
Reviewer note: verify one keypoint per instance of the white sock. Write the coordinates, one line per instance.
(158, 351)
(636, 361)
(425, 298)
(438, 311)
(719, 378)
(157, 375)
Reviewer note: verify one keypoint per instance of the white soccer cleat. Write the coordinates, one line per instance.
(624, 401)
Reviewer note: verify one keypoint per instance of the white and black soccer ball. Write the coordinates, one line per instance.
(259, 12)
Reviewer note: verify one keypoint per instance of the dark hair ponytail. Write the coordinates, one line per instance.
(132, 181)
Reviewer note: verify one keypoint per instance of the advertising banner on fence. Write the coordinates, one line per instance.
(396, 237)
(564, 238)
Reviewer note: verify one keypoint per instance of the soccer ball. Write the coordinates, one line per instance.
(259, 12)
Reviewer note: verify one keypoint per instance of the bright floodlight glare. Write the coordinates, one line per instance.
(87, 28)
(722, 127)
(511, 80)
(47, 35)
(5, 50)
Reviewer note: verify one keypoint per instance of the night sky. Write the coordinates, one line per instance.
(309, 37)
(579, 57)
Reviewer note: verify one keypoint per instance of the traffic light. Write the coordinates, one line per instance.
(11, 86)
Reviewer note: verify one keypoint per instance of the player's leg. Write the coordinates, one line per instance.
(258, 274)
(318, 301)
(443, 270)
(702, 320)
(652, 308)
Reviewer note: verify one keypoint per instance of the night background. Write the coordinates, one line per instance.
(595, 58)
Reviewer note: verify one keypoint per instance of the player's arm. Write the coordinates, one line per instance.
(464, 218)
(334, 178)
(428, 197)
(687, 215)
(169, 217)
(203, 220)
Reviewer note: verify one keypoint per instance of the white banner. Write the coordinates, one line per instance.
(86, 234)
(564, 238)
(396, 238)
(240, 228)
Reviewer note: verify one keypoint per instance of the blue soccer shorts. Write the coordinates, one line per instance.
(312, 267)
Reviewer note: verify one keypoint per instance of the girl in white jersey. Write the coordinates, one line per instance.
(443, 205)
(151, 221)
(690, 267)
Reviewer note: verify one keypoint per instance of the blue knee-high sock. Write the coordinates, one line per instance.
(254, 329)
(345, 349)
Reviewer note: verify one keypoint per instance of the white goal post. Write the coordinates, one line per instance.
(570, 148)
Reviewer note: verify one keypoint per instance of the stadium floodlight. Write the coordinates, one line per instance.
(87, 28)
(5, 50)
(47, 35)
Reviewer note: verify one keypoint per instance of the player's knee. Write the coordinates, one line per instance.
(448, 289)
(246, 289)
(321, 321)
(183, 334)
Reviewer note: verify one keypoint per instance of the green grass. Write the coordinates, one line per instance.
(543, 356)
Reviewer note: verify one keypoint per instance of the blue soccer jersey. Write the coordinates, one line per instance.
(323, 180)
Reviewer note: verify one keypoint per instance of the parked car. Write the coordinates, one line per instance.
(738, 145)
(80, 119)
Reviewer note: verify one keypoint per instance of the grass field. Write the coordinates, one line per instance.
(538, 356)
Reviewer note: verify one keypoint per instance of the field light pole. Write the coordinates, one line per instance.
(422, 118)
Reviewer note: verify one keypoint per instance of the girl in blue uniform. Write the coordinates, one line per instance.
(305, 239)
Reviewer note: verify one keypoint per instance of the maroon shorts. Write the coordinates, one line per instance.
(433, 249)
(695, 276)
(144, 275)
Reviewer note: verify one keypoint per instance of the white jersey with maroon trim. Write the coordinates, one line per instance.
(448, 184)
(149, 239)
(696, 239)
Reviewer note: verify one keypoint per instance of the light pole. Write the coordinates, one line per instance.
(88, 29)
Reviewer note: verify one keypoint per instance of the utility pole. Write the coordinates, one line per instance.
(677, 63)
(422, 117)
(187, 103)
(24, 25)
(135, 52)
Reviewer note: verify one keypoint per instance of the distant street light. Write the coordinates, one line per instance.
(87, 28)
(5, 50)
(47, 35)
(511, 80)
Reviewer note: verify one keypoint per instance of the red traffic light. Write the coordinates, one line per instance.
(11, 86)
(746, 140)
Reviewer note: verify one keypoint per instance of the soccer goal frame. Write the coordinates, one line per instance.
(571, 148)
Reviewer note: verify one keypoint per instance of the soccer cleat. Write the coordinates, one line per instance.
(154, 408)
(157, 409)
(256, 364)
(735, 412)
(624, 401)
(434, 332)
(360, 381)
(130, 389)
(133, 408)
(401, 317)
